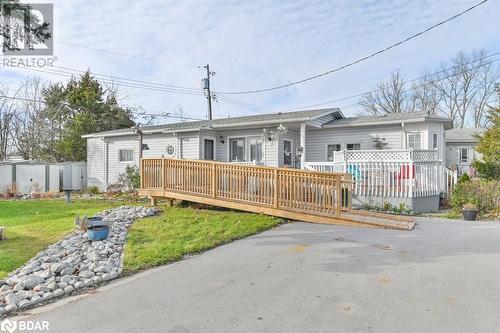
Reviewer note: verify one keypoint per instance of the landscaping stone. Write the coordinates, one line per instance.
(72, 263)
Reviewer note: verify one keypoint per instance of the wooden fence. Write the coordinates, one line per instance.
(325, 193)
(297, 194)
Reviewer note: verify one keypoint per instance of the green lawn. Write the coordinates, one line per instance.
(179, 231)
(31, 225)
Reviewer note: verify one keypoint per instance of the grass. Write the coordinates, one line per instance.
(180, 231)
(31, 225)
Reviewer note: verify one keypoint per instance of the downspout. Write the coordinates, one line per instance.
(403, 134)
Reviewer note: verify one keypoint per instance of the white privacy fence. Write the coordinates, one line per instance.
(39, 176)
(391, 173)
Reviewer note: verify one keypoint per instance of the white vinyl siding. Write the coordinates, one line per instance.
(318, 139)
(95, 162)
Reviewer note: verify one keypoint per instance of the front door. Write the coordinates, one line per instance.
(209, 149)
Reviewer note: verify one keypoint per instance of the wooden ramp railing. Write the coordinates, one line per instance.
(290, 193)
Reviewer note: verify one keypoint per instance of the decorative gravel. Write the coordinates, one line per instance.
(71, 264)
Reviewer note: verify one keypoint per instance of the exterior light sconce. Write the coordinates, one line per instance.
(221, 139)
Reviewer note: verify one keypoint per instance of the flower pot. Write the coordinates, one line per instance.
(98, 232)
(470, 215)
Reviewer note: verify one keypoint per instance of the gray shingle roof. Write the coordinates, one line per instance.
(268, 117)
(463, 134)
(391, 117)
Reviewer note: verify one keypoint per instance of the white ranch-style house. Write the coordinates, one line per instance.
(396, 158)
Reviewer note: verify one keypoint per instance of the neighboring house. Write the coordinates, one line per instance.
(304, 139)
(460, 149)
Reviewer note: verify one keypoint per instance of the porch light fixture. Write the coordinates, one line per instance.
(221, 139)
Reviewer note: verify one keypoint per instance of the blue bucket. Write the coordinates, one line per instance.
(97, 230)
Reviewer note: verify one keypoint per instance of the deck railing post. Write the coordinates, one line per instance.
(163, 173)
(141, 172)
(339, 194)
(214, 180)
(276, 189)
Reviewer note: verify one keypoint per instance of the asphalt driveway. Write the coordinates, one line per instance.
(300, 277)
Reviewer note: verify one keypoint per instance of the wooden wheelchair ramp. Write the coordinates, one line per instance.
(318, 197)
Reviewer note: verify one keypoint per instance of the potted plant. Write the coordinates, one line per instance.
(470, 212)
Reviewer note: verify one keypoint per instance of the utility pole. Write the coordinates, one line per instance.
(206, 87)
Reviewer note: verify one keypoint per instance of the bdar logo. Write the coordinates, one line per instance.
(8, 326)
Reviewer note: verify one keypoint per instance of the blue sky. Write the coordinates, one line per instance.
(257, 44)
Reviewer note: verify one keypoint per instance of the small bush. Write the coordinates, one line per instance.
(130, 179)
(484, 194)
(114, 190)
(93, 190)
(463, 178)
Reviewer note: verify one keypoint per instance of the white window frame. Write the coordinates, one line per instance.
(291, 152)
(120, 155)
(353, 143)
(326, 150)
(408, 134)
(248, 153)
(244, 148)
(436, 134)
(460, 155)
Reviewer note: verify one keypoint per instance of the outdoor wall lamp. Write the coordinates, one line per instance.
(221, 139)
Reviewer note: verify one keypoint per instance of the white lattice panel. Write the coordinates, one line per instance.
(377, 155)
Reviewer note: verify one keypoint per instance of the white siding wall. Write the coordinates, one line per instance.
(5, 176)
(95, 162)
(157, 144)
(115, 167)
(318, 139)
(452, 151)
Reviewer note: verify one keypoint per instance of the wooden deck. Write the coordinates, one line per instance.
(319, 197)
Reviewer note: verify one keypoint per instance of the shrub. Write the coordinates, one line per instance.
(93, 190)
(130, 179)
(114, 190)
(484, 194)
(463, 178)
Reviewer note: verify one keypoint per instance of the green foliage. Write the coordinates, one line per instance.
(93, 190)
(130, 179)
(387, 207)
(489, 166)
(31, 225)
(81, 107)
(181, 231)
(484, 194)
(463, 178)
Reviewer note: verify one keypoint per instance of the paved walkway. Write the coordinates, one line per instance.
(441, 277)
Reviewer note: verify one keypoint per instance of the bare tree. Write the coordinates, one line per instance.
(7, 116)
(30, 125)
(467, 86)
(388, 97)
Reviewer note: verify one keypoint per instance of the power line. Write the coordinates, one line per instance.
(360, 59)
(128, 55)
(167, 115)
(405, 82)
(127, 79)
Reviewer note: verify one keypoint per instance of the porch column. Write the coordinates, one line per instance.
(303, 144)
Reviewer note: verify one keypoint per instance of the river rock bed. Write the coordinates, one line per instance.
(71, 264)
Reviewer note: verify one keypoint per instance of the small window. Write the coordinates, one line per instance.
(353, 146)
(434, 141)
(330, 149)
(255, 149)
(464, 155)
(126, 155)
(237, 150)
(287, 152)
(413, 140)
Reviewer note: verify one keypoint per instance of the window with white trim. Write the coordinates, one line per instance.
(414, 140)
(255, 149)
(435, 141)
(237, 149)
(126, 155)
(353, 146)
(464, 155)
(330, 151)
